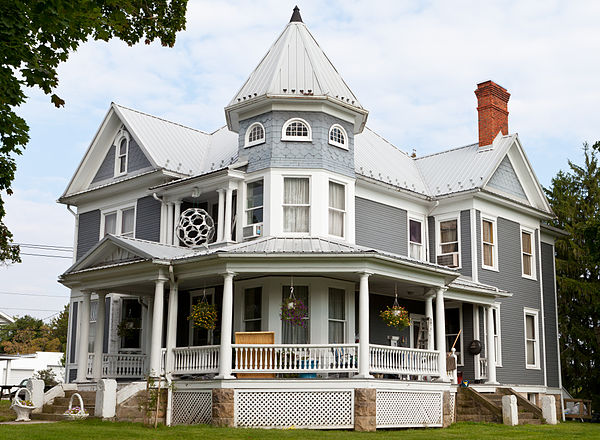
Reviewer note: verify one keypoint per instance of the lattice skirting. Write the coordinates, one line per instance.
(409, 408)
(190, 408)
(300, 409)
(453, 407)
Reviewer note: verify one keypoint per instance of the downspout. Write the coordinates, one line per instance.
(435, 205)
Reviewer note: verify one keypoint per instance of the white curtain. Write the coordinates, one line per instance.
(110, 223)
(127, 222)
(337, 315)
(295, 194)
(337, 206)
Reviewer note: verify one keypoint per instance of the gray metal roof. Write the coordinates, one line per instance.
(463, 283)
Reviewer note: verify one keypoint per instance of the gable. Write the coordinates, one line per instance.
(505, 179)
(107, 254)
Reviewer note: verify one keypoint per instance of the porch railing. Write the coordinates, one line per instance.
(482, 369)
(120, 365)
(196, 360)
(295, 358)
(400, 360)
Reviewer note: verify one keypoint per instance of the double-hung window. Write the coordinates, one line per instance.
(497, 333)
(119, 222)
(448, 248)
(252, 309)
(337, 208)
(489, 245)
(296, 204)
(254, 202)
(337, 315)
(527, 254)
(415, 230)
(295, 334)
(532, 345)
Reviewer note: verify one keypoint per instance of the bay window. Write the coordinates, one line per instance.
(337, 208)
(295, 334)
(254, 202)
(296, 204)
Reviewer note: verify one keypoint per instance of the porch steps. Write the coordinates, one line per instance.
(55, 410)
(472, 406)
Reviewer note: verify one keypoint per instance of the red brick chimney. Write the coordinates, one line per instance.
(492, 106)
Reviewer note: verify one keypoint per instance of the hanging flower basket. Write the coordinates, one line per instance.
(128, 326)
(294, 311)
(75, 412)
(395, 316)
(204, 315)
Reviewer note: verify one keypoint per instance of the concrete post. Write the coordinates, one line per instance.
(99, 340)
(440, 332)
(490, 346)
(36, 389)
(106, 399)
(510, 412)
(226, 327)
(82, 338)
(549, 409)
(363, 328)
(157, 324)
(171, 327)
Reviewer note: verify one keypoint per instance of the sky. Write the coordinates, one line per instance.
(413, 64)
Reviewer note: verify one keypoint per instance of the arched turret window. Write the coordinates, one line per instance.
(296, 130)
(255, 135)
(338, 136)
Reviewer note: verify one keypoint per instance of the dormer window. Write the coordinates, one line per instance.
(338, 136)
(121, 153)
(296, 130)
(255, 135)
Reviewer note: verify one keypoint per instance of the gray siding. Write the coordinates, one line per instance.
(73, 335)
(136, 162)
(468, 368)
(526, 293)
(88, 232)
(551, 333)
(381, 226)
(505, 179)
(288, 154)
(431, 226)
(465, 243)
(147, 222)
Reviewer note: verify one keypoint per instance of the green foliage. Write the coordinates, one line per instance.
(28, 334)
(37, 35)
(575, 198)
(48, 376)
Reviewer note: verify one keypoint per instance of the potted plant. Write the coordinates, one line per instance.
(204, 315)
(294, 311)
(128, 326)
(75, 412)
(22, 407)
(395, 316)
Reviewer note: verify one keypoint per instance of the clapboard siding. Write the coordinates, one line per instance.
(465, 243)
(381, 226)
(147, 222)
(552, 360)
(431, 226)
(88, 232)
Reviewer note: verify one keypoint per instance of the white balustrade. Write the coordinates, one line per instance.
(400, 360)
(295, 358)
(117, 365)
(482, 372)
(196, 360)
(90, 365)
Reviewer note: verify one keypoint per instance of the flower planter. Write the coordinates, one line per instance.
(75, 412)
(310, 365)
(22, 408)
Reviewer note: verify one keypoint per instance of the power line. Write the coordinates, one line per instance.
(33, 294)
(30, 310)
(46, 246)
(46, 255)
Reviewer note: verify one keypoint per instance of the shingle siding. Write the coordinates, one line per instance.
(147, 222)
(526, 293)
(88, 232)
(552, 360)
(381, 226)
(136, 162)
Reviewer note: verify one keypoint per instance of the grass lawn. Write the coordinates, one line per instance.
(6, 414)
(95, 429)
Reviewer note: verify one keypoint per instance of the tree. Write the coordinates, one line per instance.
(59, 327)
(27, 335)
(37, 35)
(575, 198)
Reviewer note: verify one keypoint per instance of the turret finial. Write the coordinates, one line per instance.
(296, 15)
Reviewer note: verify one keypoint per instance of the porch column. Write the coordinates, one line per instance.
(226, 326)
(99, 341)
(221, 214)
(170, 223)
(364, 358)
(157, 324)
(228, 215)
(172, 327)
(440, 332)
(84, 331)
(429, 316)
(163, 222)
(489, 346)
(176, 216)
(147, 334)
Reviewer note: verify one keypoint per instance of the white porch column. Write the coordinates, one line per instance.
(147, 332)
(226, 326)
(227, 225)
(176, 216)
(171, 327)
(163, 222)
(364, 358)
(82, 337)
(99, 341)
(440, 332)
(157, 324)
(170, 223)
(429, 316)
(489, 346)
(221, 214)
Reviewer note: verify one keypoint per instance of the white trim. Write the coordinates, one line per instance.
(343, 145)
(245, 201)
(420, 219)
(285, 137)
(498, 335)
(247, 142)
(122, 134)
(443, 218)
(531, 233)
(535, 313)
(118, 210)
(494, 243)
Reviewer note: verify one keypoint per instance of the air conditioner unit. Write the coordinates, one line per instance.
(449, 260)
(252, 231)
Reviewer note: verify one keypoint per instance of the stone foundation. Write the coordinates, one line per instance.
(365, 409)
(223, 407)
(448, 409)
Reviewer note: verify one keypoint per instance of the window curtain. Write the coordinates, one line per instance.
(527, 254)
(127, 222)
(337, 201)
(337, 315)
(448, 232)
(110, 224)
(293, 334)
(296, 192)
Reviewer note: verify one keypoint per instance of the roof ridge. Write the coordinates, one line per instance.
(163, 119)
(446, 151)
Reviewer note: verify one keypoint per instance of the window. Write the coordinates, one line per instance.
(252, 309)
(121, 152)
(201, 336)
(119, 222)
(453, 318)
(415, 230)
(337, 208)
(531, 339)
(131, 318)
(497, 339)
(448, 247)
(294, 334)
(254, 202)
(296, 130)
(296, 204)
(92, 327)
(337, 315)
(255, 134)
(488, 240)
(338, 137)
(527, 252)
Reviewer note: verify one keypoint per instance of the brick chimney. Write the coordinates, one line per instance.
(492, 106)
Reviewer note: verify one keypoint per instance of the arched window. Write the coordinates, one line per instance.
(255, 134)
(121, 153)
(296, 130)
(338, 136)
